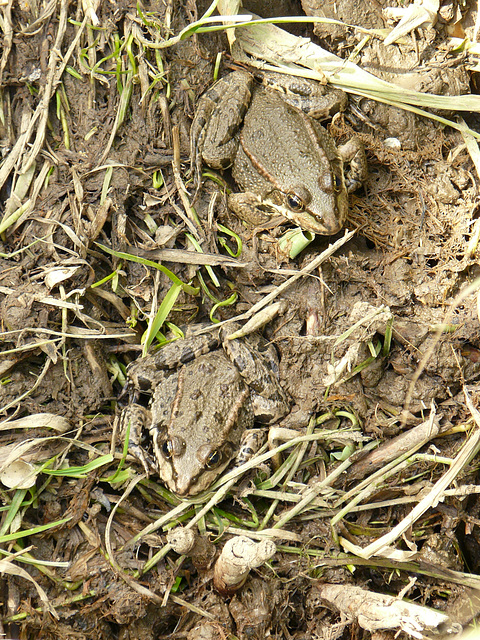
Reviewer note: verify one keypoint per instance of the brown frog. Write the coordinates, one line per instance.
(200, 396)
(285, 162)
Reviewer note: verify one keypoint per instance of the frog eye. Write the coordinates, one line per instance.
(167, 449)
(294, 202)
(213, 460)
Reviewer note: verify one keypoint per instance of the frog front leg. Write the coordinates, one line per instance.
(353, 154)
(133, 420)
(250, 208)
(219, 115)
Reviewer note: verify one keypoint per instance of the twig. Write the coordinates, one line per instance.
(375, 611)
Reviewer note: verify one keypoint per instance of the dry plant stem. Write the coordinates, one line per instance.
(109, 549)
(50, 300)
(365, 490)
(407, 442)
(469, 449)
(324, 510)
(314, 264)
(91, 62)
(473, 410)
(124, 98)
(45, 14)
(7, 38)
(238, 556)
(311, 494)
(370, 484)
(38, 381)
(186, 257)
(260, 319)
(375, 611)
(42, 110)
(26, 347)
(472, 147)
(96, 225)
(53, 80)
(182, 192)
(282, 434)
(27, 208)
(18, 147)
(302, 449)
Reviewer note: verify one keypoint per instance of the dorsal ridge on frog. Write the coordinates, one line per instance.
(199, 407)
(283, 160)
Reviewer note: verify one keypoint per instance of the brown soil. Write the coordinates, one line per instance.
(381, 343)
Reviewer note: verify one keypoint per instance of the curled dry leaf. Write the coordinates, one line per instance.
(415, 15)
(55, 276)
(189, 543)
(18, 475)
(37, 421)
(11, 569)
(238, 556)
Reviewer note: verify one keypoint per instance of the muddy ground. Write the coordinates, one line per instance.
(379, 345)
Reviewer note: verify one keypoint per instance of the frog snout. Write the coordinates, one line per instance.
(332, 227)
(182, 490)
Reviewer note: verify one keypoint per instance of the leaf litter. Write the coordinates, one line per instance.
(371, 482)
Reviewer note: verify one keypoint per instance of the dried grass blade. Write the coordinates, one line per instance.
(466, 453)
(13, 570)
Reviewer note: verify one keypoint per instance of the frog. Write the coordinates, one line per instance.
(285, 162)
(196, 399)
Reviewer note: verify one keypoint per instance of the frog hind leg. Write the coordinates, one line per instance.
(270, 402)
(252, 441)
(219, 115)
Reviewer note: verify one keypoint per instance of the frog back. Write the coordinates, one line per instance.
(283, 151)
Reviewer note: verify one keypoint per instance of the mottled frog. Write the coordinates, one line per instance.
(285, 162)
(195, 398)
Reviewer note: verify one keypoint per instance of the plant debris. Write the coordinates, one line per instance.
(364, 500)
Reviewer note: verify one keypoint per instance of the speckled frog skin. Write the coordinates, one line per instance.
(200, 396)
(285, 162)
